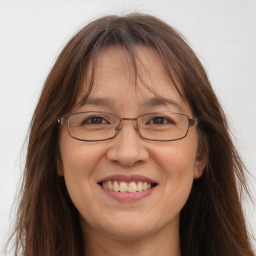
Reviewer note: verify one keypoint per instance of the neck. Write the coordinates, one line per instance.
(161, 243)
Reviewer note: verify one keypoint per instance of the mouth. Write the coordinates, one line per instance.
(131, 187)
(127, 188)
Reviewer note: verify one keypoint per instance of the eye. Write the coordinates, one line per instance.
(95, 120)
(158, 120)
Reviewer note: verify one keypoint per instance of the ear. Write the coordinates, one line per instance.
(60, 167)
(200, 164)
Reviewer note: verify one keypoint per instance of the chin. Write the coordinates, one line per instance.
(130, 232)
(132, 227)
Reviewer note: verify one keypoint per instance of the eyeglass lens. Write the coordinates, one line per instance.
(93, 126)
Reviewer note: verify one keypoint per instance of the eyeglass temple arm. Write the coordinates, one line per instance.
(193, 121)
(62, 121)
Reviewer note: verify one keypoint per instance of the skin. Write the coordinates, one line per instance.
(149, 226)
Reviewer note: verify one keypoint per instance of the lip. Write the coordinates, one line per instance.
(127, 196)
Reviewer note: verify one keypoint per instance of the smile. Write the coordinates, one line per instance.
(127, 188)
(131, 187)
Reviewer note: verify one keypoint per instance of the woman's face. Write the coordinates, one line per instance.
(128, 158)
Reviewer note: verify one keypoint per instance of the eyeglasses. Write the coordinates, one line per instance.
(100, 126)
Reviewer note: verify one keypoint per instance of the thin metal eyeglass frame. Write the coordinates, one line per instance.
(64, 121)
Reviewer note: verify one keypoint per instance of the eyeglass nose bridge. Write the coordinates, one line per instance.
(119, 127)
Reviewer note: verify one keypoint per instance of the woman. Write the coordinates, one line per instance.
(129, 151)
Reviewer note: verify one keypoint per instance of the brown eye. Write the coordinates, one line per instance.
(95, 120)
(160, 120)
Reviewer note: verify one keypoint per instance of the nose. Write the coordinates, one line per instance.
(128, 148)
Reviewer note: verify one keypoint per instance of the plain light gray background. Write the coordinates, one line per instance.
(32, 33)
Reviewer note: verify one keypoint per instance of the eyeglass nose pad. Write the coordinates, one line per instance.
(117, 129)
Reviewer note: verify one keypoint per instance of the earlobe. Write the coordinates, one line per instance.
(200, 164)
(201, 156)
(60, 168)
(60, 173)
(59, 164)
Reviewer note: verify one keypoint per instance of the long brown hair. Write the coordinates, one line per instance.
(211, 222)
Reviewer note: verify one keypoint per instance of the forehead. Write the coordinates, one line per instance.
(119, 77)
(143, 66)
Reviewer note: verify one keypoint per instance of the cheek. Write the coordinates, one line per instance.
(177, 159)
(79, 160)
(78, 157)
(177, 162)
(179, 173)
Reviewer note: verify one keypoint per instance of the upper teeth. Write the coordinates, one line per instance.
(126, 187)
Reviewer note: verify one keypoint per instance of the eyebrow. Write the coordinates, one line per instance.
(161, 101)
(103, 102)
(150, 102)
